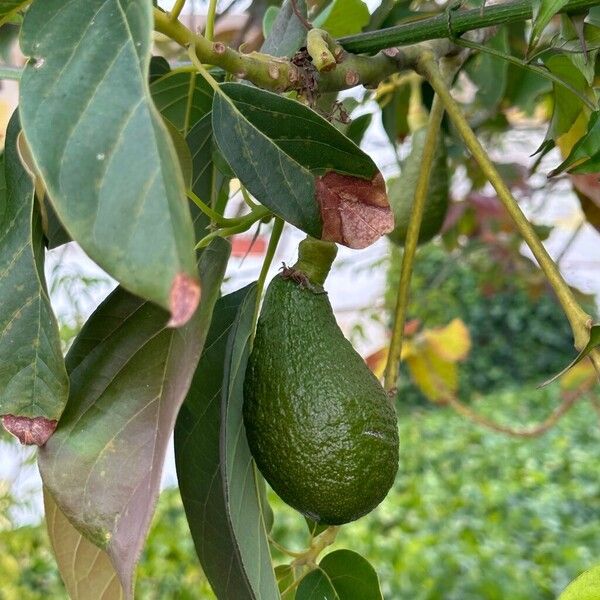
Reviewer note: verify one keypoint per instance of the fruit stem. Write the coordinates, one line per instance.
(580, 321)
(315, 258)
(410, 246)
(317, 546)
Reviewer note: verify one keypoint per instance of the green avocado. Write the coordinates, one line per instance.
(401, 191)
(321, 428)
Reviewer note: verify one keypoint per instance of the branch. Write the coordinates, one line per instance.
(578, 319)
(529, 432)
(279, 74)
(412, 239)
(450, 24)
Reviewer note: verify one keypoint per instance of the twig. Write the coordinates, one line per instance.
(580, 321)
(529, 432)
(410, 246)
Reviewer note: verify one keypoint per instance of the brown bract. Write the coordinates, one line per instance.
(355, 211)
(184, 298)
(30, 431)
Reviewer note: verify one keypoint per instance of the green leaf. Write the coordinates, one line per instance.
(102, 149)
(593, 342)
(358, 127)
(585, 150)
(585, 587)
(351, 575)
(300, 166)
(159, 66)
(543, 11)
(343, 17)
(129, 376)
(567, 106)
(9, 7)
(489, 73)
(183, 97)
(316, 586)
(315, 528)
(217, 476)
(85, 569)
(33, 379)
(285, 577)
(394, 114)
(269, 19)
(287, 33)
(183, 152)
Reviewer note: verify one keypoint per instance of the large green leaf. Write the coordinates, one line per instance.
(351, 575)
(288, 33)
(105, 156)
(300, 166)
(216, 473)
(585, 587)
(85, 569)
(183, 97)
(33, 380)
(343, 17)
(316, 586)
(129, 376)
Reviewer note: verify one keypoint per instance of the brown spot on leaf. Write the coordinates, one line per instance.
(184, 298)
(30, 431)
(355, 211)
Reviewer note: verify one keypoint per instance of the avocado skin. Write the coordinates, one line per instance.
(401, 191)
(321, 428)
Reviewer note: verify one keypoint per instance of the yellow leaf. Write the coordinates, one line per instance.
(434, 376)
(579, 376)
(451, 342)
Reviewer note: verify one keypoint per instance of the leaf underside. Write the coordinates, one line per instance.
(101, 147)
(129, 376)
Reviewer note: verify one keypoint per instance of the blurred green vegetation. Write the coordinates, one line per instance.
(473, 515)
(518, 331)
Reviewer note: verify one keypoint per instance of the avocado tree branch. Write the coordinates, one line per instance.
(410, 246)
(579, 320)
(450, 24)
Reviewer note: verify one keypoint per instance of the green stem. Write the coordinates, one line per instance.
(528, 66)
(213, 215)
(240, 226)
(315, 258)
(580, 321)
(279, 74)
(450, 24)
(272, 247)
(8, 72)
(214, 84)
(209, 31)
(176, 10)
(410, 245)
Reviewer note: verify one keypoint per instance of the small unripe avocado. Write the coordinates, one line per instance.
(401, 191)
(321, 428)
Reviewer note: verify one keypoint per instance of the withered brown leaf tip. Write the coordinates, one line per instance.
(30, 431)
(355, 211)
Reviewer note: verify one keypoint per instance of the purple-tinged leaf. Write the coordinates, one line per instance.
(85, 569)
(129, 376)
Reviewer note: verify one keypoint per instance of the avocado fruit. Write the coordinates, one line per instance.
(401, 191)
(322, 430)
